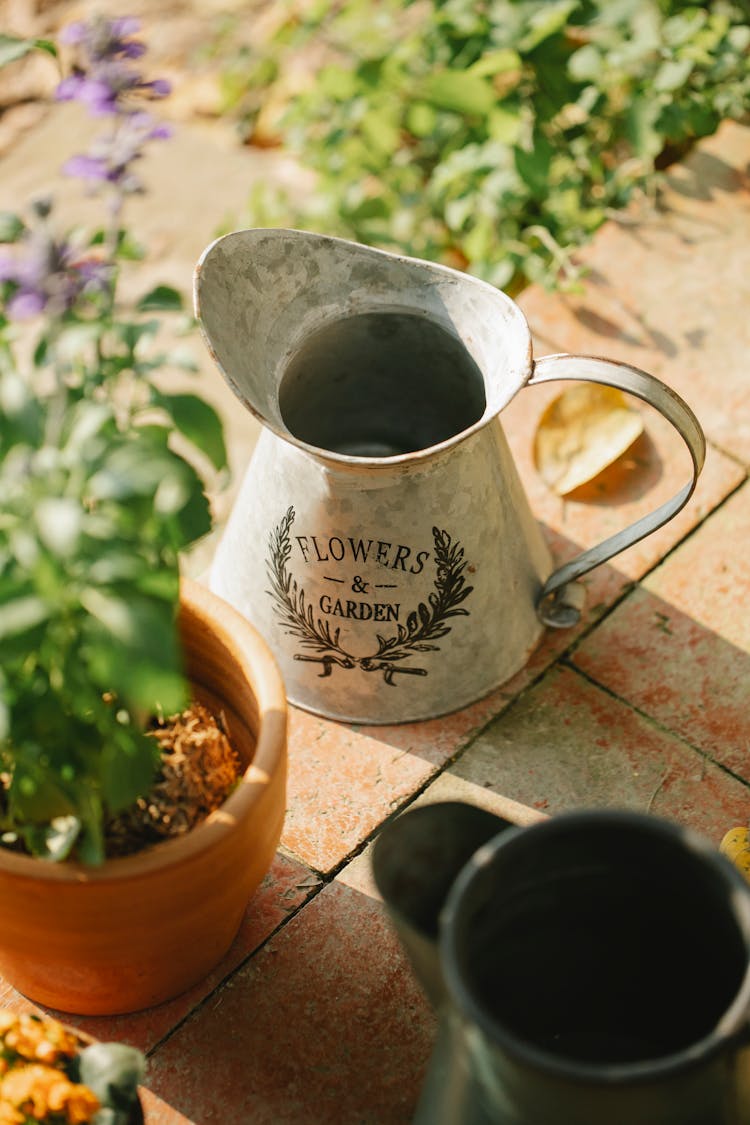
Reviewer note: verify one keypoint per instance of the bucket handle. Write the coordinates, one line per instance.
(561, 601)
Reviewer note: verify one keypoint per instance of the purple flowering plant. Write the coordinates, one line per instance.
(103, 477)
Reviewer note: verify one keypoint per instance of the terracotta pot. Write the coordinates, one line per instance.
(141, 929)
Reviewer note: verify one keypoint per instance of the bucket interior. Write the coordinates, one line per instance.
(602, 947)
(380, 384)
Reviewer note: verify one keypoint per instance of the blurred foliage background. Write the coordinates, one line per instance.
(491, 135)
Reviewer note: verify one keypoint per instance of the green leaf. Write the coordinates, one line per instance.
(182, 358)
(504, 125)
(90, 844)
(143, 667)
(163, 584)
(21, 615)
(421, 119)
(545, 22)
(163, 298)
(12, 48)
(380, 131)
(117, 614)
(585, 64)
(21, 414)
(199, 423)
(118, 567)
(127, 247)
(496, 62)
(86, 420)
(459, 91)
(41, 351)
(4, 709)
(337, 83)
(131, 333)
(194, 519)
(59, 520)
(136, 468)
(53, 841)
(143, 682)
(126, 770)
(373, 208)
(640, 126)
(533, 167)
(672, 75)
(46, 45)
(35, 794)
(11, 227)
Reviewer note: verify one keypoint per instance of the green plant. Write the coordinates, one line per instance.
(100, 487)
(495, 135)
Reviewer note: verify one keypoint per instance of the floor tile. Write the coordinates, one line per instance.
(284, 889)
(297, 1035)
(669, 290)
(157, 1112)
(345, 779)
(679, 648)
(569, 744)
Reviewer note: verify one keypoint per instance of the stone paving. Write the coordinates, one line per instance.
(314, 1017)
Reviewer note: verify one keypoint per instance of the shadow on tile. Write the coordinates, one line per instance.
(684, 675)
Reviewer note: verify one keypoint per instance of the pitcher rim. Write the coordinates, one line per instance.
(729, 1027)
(346, 460)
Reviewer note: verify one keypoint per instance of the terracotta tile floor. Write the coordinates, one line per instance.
(314, 1016)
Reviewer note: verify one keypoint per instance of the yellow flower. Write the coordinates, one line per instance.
(38, 1090)
(9, 1115)
(39, 1040)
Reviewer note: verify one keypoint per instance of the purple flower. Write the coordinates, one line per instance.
(159, 88)
(101, 39)
(96, 94)
(103, 80)
(105, 86)
(26, 303)
(45, 275)
(109, 86)
(110, 158)
(86, 167)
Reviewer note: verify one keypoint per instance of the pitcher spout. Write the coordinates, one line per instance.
(416, 860)
(290, 317)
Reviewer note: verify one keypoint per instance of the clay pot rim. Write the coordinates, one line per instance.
(247, 649)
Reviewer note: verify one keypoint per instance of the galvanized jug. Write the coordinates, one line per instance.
(382, 542)
(590, 970)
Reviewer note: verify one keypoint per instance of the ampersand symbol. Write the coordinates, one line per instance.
(358, 586)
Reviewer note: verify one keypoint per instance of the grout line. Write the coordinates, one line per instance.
(202, 1003)
(657, 724)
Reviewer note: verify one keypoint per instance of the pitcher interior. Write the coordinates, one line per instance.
(380, 384)
(605, 950)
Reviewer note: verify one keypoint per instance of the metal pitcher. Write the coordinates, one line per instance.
(591, 969)
(381, 541)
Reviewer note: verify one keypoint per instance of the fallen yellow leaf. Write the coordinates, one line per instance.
(582, 431)
(736, 846)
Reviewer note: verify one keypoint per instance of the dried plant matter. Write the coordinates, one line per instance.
(198, 771)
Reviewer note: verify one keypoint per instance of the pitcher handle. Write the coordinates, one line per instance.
(560, 602)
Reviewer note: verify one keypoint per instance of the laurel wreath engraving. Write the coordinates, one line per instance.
(424, 626)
